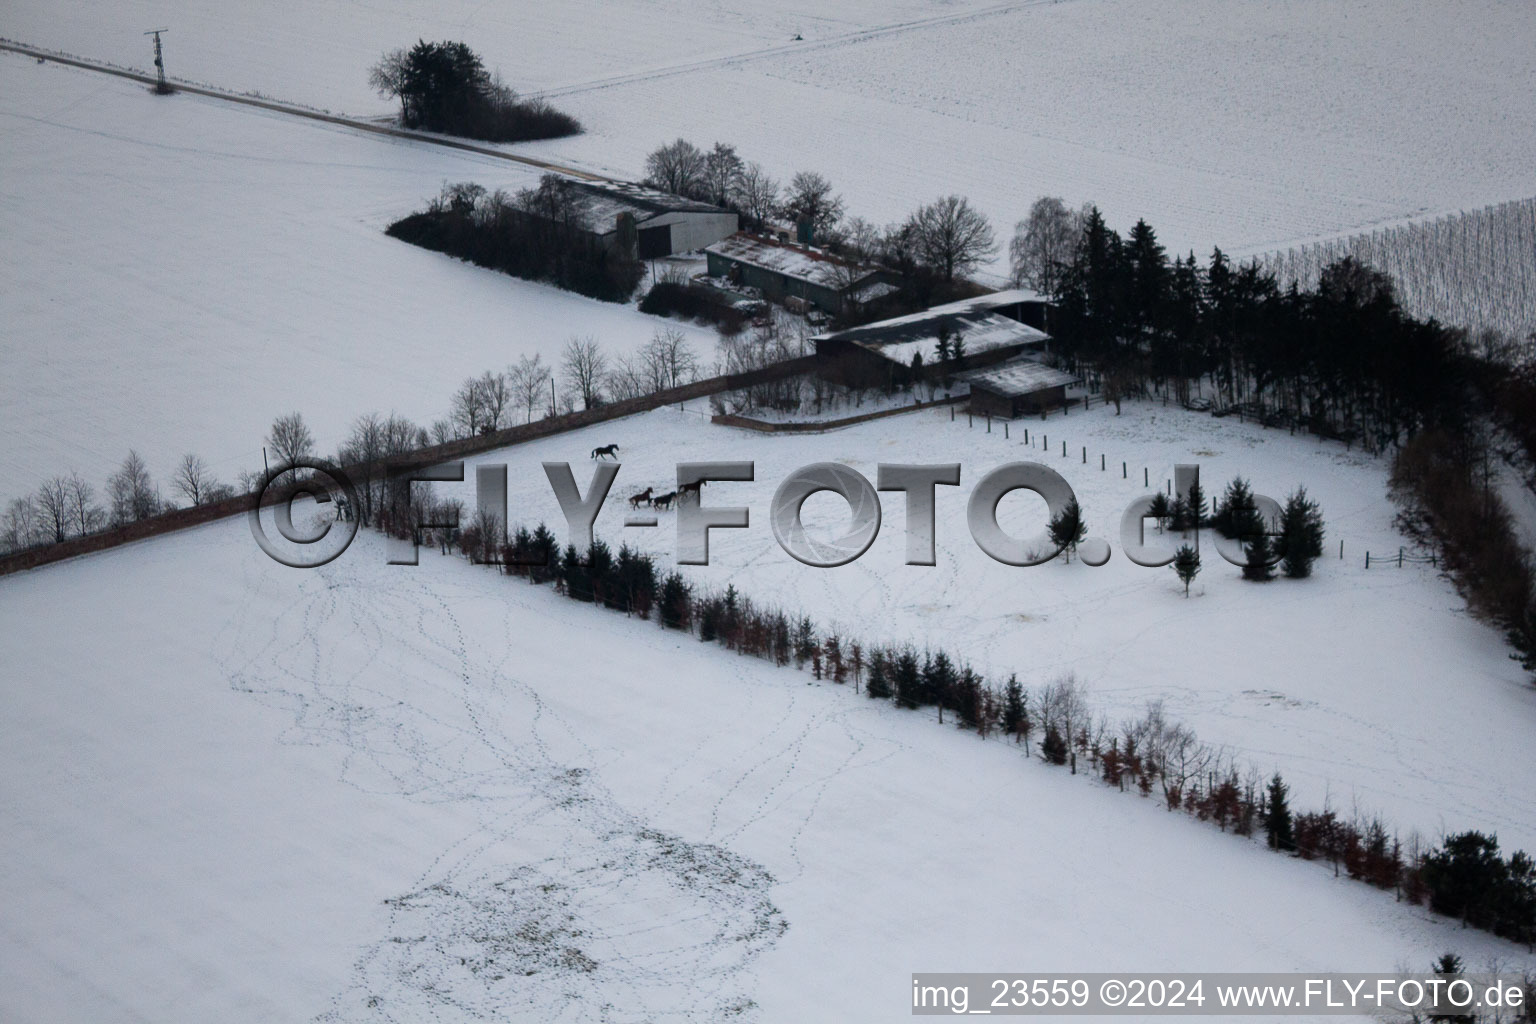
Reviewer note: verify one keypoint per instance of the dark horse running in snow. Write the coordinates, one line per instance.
(610, 450)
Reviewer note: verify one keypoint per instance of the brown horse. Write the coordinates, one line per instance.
(643, 498)
(663, 500)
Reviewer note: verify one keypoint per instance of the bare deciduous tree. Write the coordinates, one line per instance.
(585, 368)
(722, 169)
(810, 199)
(22, 525)
(53, 509)
(480, 405)
(530, 382)
(86, 515)
(757, 194)
(952, 236)
(677, 167)
(291, 440)
(388, 77)
(667, 360)
(193, 479)
(624, 379)
(132, 492)
(1043, 243)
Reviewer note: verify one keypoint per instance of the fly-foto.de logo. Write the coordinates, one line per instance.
(325, 537)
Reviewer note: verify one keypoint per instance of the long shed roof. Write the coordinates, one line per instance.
(801, 262)
(1016, 377)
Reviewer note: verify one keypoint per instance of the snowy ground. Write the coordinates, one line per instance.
(176, 272)
(1366, 688)
(234, 791)
(1251, 127)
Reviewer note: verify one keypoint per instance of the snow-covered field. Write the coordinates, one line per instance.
(1366, 688)
(1251, 127)
(176, 272)
(239, 792)
(235, 791)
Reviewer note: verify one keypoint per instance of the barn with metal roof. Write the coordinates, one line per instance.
(882, 352)
(665, 224)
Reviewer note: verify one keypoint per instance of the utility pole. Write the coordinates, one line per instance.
(161, 86)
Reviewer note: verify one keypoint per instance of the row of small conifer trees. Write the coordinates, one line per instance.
(1465, 877)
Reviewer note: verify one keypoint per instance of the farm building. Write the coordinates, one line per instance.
(664, 224)
(784, 271)
(881, 353)
(1018, 387)
(1021, 304)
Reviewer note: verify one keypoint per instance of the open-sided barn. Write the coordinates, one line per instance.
(881, 353)
(1018, 387)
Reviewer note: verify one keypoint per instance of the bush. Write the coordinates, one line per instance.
(693, 302)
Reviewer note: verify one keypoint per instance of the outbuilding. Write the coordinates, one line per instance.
(788, 273)
(881, 354)
(663, 224)
(1019, 387)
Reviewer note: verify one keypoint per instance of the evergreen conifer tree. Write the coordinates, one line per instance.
(907, 678)
(1161, 510)
(1194, 506)
(1187, 564)
(878, 685)
(1068, 528)
(1236, 506)
(1054, 746)
(1301, 534)
(1015, 710)
(1258, 555)
(674, 602)
(1277, 816)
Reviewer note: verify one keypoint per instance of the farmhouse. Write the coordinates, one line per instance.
(1018, 387)
(664, 224)
(785, 272)
(881, 353)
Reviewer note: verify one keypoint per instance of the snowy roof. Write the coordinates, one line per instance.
(991, 301)
(800, 262)
(867, 293)
(602, 202)
(898, 338)
(1018, 377)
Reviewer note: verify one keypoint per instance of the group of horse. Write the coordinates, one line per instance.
(649, 497)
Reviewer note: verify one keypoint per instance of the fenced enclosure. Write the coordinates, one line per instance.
(1475, 269)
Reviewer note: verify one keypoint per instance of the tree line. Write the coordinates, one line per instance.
(933, 248)
(538, 234)
(1342, 359)
(69, 506)
(585, 377)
